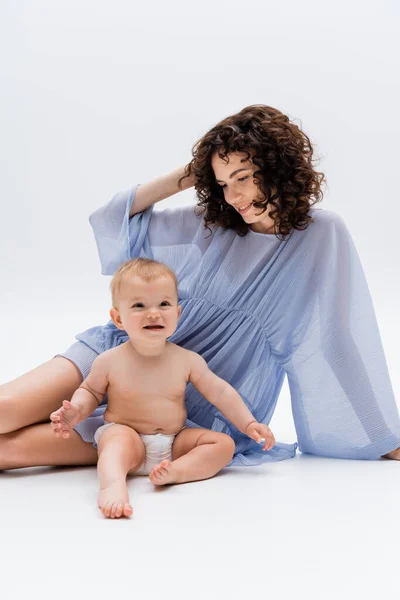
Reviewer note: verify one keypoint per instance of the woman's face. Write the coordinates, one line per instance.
(240, 190)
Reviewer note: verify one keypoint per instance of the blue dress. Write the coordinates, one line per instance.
(257, 309)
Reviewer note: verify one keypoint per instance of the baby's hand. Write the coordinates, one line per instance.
(65, 418)
(261, 433)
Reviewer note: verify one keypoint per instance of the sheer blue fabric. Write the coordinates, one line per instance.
(257, 308)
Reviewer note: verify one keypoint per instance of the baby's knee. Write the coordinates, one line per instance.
(124, 438)
(227, 445)
(120, 433)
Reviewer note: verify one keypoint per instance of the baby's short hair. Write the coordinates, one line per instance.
(145, 268)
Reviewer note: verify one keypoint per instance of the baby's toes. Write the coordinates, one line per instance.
(106, 509)
(161, 467)
(128, 510)
(154, 475)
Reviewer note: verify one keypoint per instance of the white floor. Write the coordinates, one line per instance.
(308, 528)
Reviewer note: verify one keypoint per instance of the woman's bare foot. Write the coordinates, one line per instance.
(394, 454)
(113, 500)
(164, 473)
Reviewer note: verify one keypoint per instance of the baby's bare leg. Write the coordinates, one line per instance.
(121, 451)
(196, 454)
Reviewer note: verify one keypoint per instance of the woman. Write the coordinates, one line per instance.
(268, 285)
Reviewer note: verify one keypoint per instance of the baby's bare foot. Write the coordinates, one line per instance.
(113, 500)
(164, 473)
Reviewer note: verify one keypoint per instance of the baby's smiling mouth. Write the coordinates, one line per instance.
(154, 327)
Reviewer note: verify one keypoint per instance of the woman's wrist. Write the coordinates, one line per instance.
(185, 180)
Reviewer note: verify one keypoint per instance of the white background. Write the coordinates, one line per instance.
(99, 95)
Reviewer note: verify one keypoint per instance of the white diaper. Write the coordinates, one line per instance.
(158, 447)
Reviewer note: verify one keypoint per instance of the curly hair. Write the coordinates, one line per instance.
(285, 175)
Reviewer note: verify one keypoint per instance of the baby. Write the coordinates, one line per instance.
(145, 379)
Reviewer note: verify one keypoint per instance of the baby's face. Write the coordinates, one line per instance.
(149, 310)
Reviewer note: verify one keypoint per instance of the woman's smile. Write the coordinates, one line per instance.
(244, 208)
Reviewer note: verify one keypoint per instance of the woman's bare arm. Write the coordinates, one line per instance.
(158, 189)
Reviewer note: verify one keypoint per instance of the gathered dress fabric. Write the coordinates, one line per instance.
(257, 308)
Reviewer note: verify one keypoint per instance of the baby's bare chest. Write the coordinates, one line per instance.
(136, 381)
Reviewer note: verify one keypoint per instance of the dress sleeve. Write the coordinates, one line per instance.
(330, 347)
(120, 238)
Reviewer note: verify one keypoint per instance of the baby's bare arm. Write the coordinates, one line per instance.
(93, 389)
(219, 393)
(86, 398)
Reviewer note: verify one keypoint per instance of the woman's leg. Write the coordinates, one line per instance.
(121, 451)
(37, 445)
(33, 396)
(196, 454)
